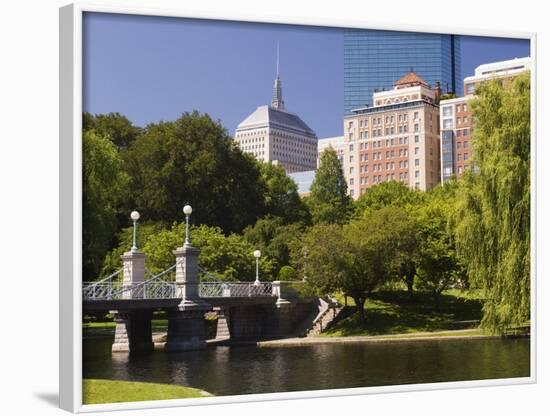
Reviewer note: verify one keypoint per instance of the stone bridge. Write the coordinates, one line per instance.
(246, 311)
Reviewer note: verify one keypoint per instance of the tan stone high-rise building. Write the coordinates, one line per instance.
(395, 139)
(273, 134)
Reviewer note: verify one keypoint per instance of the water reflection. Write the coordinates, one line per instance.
(227, 370)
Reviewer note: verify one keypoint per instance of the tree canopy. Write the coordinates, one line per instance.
(390, 193)
(329, 201)
(193, 160)
(104, 187)
(355, 258)
(493, 217)
(115, 126)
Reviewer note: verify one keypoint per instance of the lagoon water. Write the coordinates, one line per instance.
(225, 370)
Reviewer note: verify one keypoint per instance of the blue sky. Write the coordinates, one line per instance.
(155, 68)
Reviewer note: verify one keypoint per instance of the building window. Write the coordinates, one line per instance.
(416, 162)
(465, 145)
(351, 159)
(416, 115)
(350, 125)
(465, 156)
(351, 136)
(351, 147)
(416, 127)
(466, 132)
(464, 107)
(351, 181)
(416, 149)
(470, 88)
(416, 173)
(448, 123)
(417, 185)
(351, 170)
(447, 111)
(459, 156)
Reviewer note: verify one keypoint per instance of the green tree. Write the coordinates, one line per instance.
(389, 193)
(438, 266)
(104, 187)
(273, 238)
(228, 257)
(397, 194)
(281, 197)
(355, 258)
(329, 201)
(193, 160)
(493, 219)
(115, 126)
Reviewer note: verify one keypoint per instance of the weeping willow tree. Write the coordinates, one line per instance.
(493, 226)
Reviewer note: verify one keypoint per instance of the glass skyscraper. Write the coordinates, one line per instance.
(375, 59)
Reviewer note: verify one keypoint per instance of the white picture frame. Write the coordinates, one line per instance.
(70, 207)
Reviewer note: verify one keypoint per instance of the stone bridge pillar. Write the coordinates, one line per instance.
(133, 328)
(133, 271)
(222, 330)
(186, 326)
(133, 331)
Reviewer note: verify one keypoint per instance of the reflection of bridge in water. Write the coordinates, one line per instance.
(246, 310)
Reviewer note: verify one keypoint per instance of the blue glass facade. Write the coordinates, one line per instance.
(375, 59)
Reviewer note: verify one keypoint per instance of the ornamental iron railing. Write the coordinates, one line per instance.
(234, 289)
(160, 286)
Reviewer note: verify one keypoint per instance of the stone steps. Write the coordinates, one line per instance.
(330, 311)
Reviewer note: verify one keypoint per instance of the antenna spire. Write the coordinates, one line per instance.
(277, 58)
(277, 101)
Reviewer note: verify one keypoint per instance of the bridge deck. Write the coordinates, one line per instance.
(169, 303)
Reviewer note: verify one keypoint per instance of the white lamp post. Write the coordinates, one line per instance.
(257, 254)
(187, 210)
(135, 217)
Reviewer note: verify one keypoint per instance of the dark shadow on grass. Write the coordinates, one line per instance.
(394, 313)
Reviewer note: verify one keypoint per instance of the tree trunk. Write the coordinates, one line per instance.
(360, 305)
(436, 300)
(410, 283)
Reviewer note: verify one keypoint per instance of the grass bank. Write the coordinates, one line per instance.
(112, 391)
(391, 312)
(157, 325)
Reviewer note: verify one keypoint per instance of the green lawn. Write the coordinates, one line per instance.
(157, 325)
(391, 312)
(110, 391)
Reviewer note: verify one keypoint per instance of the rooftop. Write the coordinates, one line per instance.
(410, 80)
(501, 68)
(266, 115)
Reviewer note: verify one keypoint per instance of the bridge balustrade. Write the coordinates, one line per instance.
(234, 289)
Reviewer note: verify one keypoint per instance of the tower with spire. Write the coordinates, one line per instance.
(273, 134)
(277, 101)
